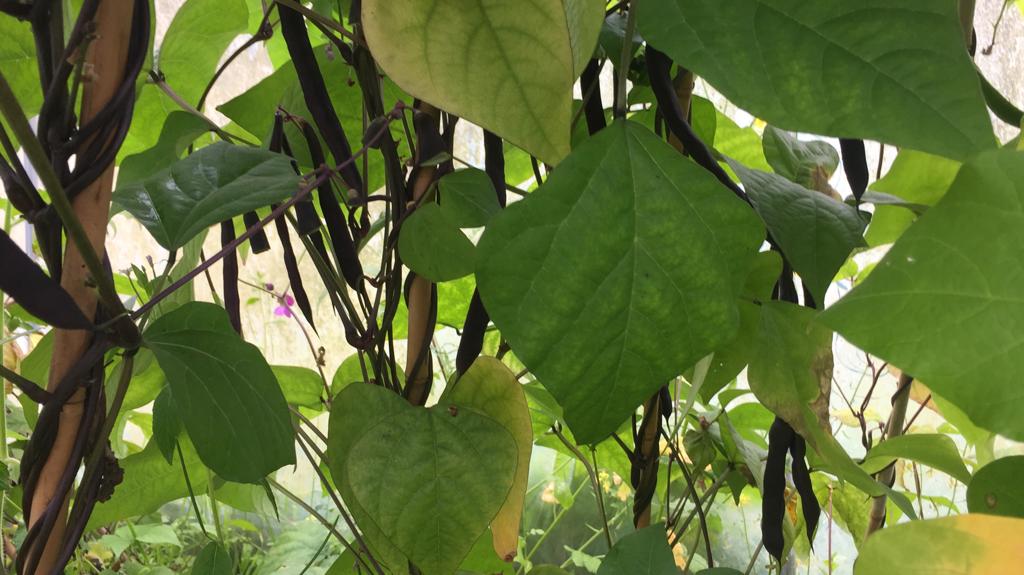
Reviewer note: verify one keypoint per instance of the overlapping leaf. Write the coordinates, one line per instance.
(618, 274)
(893, 71)
(224, 393)
(516, 64)
(945, 304)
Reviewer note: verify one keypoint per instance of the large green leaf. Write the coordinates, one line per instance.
(945, 304)
(815, 232)
(932, 449)
(915, 177)
(488, 386)
(423, 482)
(961, 545)
(192, 46)
(618, 274)
(894, 71)
(516, 64)
(212, 185)
(225, 394)
(149, 482)
(995, 488)
(642, 552)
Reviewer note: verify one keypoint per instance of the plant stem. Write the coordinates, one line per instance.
(554, 522)
(624, 60)
(591, 472)
(894, 428)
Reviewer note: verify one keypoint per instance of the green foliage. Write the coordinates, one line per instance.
(630, 265)
(432, 513)
(958, 288)
(599, 229)
(213, 560)
(644, 552)
(815, 232)
(432, 245)
(212, 185)
(955, 545)
(808, 67)
(516, 83)
(994, 488)
(230, 402)
(932, 449)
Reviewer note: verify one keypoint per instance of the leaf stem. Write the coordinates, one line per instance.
(625, 57)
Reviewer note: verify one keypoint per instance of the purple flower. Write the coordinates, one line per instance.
(284, 308)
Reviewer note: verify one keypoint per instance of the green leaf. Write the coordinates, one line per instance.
(18, 62)
(149, 482)
(488, 386)
(214, 559)
(453, 301)
(642, 552)
(423, 482)
(791, 363)
(192, 46)
(915, 177)
(932, 449)
(229, 402)
(468, 198)
(955, 278)
(156, 535)
(895, 72)
(433, 246)
(995, 488)
(516, 67)
(301, 386)
(815, 232)
(212, 185)
(180, 129)
(618, 274)
(166, 424)
(806, 163)
(790, 372)
(960, 545)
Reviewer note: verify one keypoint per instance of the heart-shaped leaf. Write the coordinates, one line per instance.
(955, 277)
(516, 66)
(491, 388)
(224, 393)
(425, 483)
(618, 274)
(212, 185)
(893, 71)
